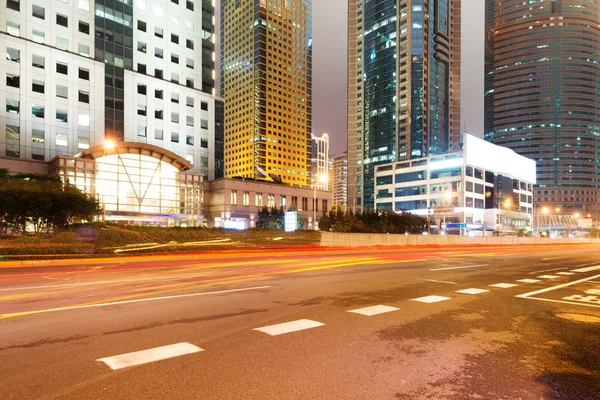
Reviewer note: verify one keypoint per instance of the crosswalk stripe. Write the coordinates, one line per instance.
(149, 355)
(565, 273)
(472, 291)
(587, 269)
(504, 285)
(288, 327)
(528, 280)
(431, 299)
(374, 310)
(548, 276)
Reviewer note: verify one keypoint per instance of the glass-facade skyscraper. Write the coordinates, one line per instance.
(542, 94)
(403, 86)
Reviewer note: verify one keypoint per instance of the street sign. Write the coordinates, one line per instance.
(290, 221)
(455, 226)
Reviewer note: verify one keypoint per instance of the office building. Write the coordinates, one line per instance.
(266, 68)
(403, 86)
(340, 180)
(77, 73)
(542, 95)
(481, 185)
(320, 174)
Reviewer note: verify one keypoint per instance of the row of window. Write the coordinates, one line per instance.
(13, 107)
(159, 94)
(258, 201)
(38, 61)
(38, 86)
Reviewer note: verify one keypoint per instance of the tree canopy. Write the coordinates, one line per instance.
(378, 221)
(42, 203)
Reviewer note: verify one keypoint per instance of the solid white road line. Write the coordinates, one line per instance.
(149, 355)
(530, 294)
(548, 276)
(587, 269)
(472, 291)
(552, 258)
(431, 299)
(466, 266)
(114, 303)
(288, 327)
(374, 310)
(528, 280)
(565, 273)
(504, 285)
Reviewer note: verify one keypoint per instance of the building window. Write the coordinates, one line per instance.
(62, 20)
(38, 36)
(38, 12)
(13, 132)
(271, 201)
(12, 106)
(62, 116)
(189, 82)
(13, 29)
(61, 139)
(189, 140)
(84, 5)
(141, 131)
(204, 106)
(84, 27)
(158, 73)
(175, 98)
(189, 62)
(174, 137)
(175, 59)
(189, 44)
(141, 68)
(158, 32)
(158, 52)
(175, 117)
(38, 136)
(174, 77)
(258, 200)
(83, 143)
(84, 97)
(158, 134)
(189, 5)
(13, 5)
(174, 38)
(141, 25)
(13, 55)
(37, 86)
(141, 89)
(233, 197)
(13, 81)
(158, 93)
(141, 109)
(204, 124)
(283, 201)
(84, 74)
(85, 51)
(62, 43)
(246, 198)
(158, 114)
(141, 46)
(189, 120)
(204, 143)
(38, 62)
(62, 91)
(189, 101)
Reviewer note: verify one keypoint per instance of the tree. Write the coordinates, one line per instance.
(270, 218)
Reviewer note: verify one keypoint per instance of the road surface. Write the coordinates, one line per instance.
(480, 323)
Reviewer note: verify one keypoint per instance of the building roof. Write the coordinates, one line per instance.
(137, 148)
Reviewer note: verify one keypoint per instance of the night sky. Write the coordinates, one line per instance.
(329, 68)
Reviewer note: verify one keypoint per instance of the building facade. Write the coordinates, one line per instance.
(320, 173)
(77, 73)
(542, 95)
(340, 180)
(481, 186)
(403, 86)
(234, 203)
(266, 82)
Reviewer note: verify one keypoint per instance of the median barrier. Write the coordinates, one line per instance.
(375, 239)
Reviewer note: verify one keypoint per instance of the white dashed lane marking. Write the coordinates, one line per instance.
(431, 299)
(528, 280)
(374, 310)
(587, 269)
(472, 291)
(288, 327)
(565, 273)
(149, 355)
(504, 285)
(548, 276)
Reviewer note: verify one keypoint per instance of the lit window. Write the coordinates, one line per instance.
(13, 55)
(62, 91)
(189, 140)
(84, 119)
(38, 61)
(62, 43)
(83, 143)
(62, 116)
(37, 111)
(38, 136)
(61, 139)
(13, 28)
(189, 120)
(38, 36)
(13, 132)
(38, 12)
(174, 137)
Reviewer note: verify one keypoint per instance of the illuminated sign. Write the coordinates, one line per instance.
(291, 221)
(501, 160)
(238, 224)
(443, 164)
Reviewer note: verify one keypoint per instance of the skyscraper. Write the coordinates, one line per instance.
(79, 72)
(340, 180)
(403, 86)
(542, 96)
(320, 162)
(266, 79)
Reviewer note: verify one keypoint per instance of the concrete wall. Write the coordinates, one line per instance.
(375, 239)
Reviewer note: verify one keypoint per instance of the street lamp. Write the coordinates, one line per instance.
(544, 210)
(321, 178)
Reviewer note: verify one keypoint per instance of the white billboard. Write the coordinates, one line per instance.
(501, 160)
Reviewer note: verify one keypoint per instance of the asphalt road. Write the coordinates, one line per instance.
(482, 323)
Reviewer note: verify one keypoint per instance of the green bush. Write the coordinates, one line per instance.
(27, 239)
(66, 237)
(112, 236)
(50, 249)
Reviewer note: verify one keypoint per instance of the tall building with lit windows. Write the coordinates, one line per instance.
(403, 86)
(266, 68)
(542, 95)
(75, 73)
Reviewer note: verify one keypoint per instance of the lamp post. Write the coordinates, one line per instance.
(108, 145)
(320, 179)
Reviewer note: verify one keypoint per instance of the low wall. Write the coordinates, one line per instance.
(375, 239)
